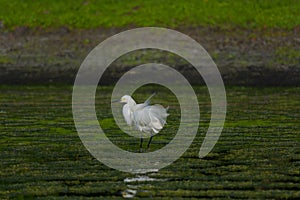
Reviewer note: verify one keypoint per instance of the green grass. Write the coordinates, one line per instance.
(168, 13)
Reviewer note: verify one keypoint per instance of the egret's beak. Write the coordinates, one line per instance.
(115, 101)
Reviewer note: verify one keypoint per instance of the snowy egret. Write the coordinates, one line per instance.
(146, 118)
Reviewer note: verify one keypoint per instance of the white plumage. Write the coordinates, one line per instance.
(145, 117)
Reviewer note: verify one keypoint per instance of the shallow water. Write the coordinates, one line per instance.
(257, 155)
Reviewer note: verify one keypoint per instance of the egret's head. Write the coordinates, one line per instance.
(125, 99)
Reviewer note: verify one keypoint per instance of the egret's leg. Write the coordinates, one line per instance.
(141, 144)
(149, 142)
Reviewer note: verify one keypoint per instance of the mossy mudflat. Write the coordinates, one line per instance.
(257, 155)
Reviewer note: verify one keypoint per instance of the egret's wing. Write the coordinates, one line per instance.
(141, 117)
(156, 124)
(147, 102)
(158, 115)
(127, 114)
(141, 120)
(151, 118)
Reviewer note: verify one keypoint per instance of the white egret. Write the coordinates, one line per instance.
(146, 118)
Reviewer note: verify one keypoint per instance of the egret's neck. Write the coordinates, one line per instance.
(131, 102)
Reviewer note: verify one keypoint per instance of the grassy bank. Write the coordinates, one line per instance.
(114, 13)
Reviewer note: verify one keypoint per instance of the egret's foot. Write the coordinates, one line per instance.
(143, 150)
